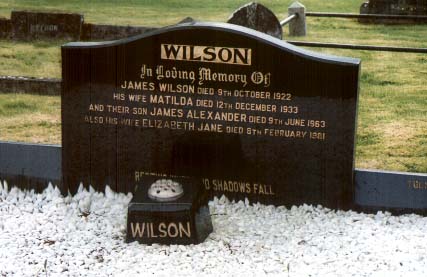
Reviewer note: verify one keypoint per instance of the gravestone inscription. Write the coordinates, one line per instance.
(28, 25)
(249, 114)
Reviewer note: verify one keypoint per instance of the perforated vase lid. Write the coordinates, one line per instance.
(164, 190)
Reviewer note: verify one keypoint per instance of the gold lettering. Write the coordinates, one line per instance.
(417, 184)
(162, 230)
(138, 85)
(172, 227)
(136, 230)
(255, 107)
(186, 231)
(210, 54)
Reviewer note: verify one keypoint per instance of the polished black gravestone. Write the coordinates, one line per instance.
(180, 216)
(248, 113)
(30, 25)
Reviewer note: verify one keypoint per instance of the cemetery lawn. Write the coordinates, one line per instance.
(30, 118)
(392, 116)
(36, 59)
(164, 12)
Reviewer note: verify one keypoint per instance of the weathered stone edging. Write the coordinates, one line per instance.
(31, 85)
(111, 32)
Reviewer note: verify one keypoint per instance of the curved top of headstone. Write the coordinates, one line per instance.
(257, 17)
(221, 27)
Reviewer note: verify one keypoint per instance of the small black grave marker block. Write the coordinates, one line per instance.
(249, 114)
(185, 220)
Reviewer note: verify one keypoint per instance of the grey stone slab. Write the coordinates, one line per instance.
(257, 17)
(30, 165)
(30, 25)
(30, 85)
(390, 189)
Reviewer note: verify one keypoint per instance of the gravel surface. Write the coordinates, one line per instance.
(49, 235)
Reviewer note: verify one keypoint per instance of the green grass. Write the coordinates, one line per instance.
(37, 59)
(164, 12)
(392, 115)
(30, 118)
(340, 30)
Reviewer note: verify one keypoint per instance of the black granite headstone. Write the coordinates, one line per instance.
(184, 219)
(28, 25)
(250, 114)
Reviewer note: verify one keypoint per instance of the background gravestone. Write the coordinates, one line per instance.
(250, 115)
(398, 7)
(5, 27)
(27, 25)
(257, 17)
(394, 7)
(188, 19)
